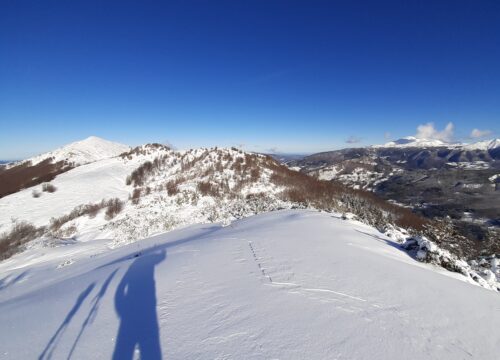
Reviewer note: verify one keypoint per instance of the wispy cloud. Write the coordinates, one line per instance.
(429, 131)
(477, 134)
(353, 140)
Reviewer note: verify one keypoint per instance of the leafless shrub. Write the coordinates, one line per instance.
(114, 207)
(136, 195)
(208, 189)
(255, 174)
(21, 233)
(48, 187)
(143, 150)
(172, 188)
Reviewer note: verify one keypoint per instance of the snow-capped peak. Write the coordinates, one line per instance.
(484, 145)
(414, 142)
(84, 151)
(411, 141)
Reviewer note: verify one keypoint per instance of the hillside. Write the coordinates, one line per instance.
(289, 284)
(45, 167)
(453, 182)
(152, 189)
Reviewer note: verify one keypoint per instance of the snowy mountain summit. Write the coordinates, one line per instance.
(411, 141)
(83, 152)
(414, 142)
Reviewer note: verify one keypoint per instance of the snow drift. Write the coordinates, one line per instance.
(290, 284)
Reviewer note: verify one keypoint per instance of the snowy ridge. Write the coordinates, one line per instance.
(484, 145)
(413, 142)
(82, 152)
(288, 284)
(174, 189)
(155, 210)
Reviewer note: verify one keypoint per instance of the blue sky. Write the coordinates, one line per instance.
(291, 76)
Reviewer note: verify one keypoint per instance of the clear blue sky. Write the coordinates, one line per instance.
(292, 76)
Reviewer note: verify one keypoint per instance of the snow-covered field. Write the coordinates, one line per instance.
(290, 285)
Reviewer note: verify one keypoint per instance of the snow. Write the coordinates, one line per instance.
(82, 152)
(413, 142)
(87, 183)
(484, 145)
(157, 211)
(289, 284)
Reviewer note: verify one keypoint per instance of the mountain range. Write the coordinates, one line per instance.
(343, 231)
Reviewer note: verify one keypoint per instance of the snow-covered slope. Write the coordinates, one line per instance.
(226, 173)
(484, 145)
(87, 183)
(414, 142)
(290, 285)
(411, 141)
(82, 152)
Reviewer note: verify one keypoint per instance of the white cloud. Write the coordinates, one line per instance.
(476, 133)
(428, 131)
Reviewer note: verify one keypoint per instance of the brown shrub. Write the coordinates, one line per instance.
(114, 207)
(255, 174)
(208, 189)
(21, 233)
(136, 195)
(48, 187)
(172, 188)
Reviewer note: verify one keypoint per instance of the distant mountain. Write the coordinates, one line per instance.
(413, 142)
(285, 158)
(436, 179)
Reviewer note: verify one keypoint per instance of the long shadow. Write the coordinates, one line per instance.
(5, 282)
(135, 303)
(93, 310)
(49, 349)
(163, 247)
(388, 242)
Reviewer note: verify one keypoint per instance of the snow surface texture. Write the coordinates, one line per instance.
(82, 152)
(289, 284)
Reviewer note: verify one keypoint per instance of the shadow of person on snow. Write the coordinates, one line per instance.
(49, 349)
(93, 310)
(135, 304)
